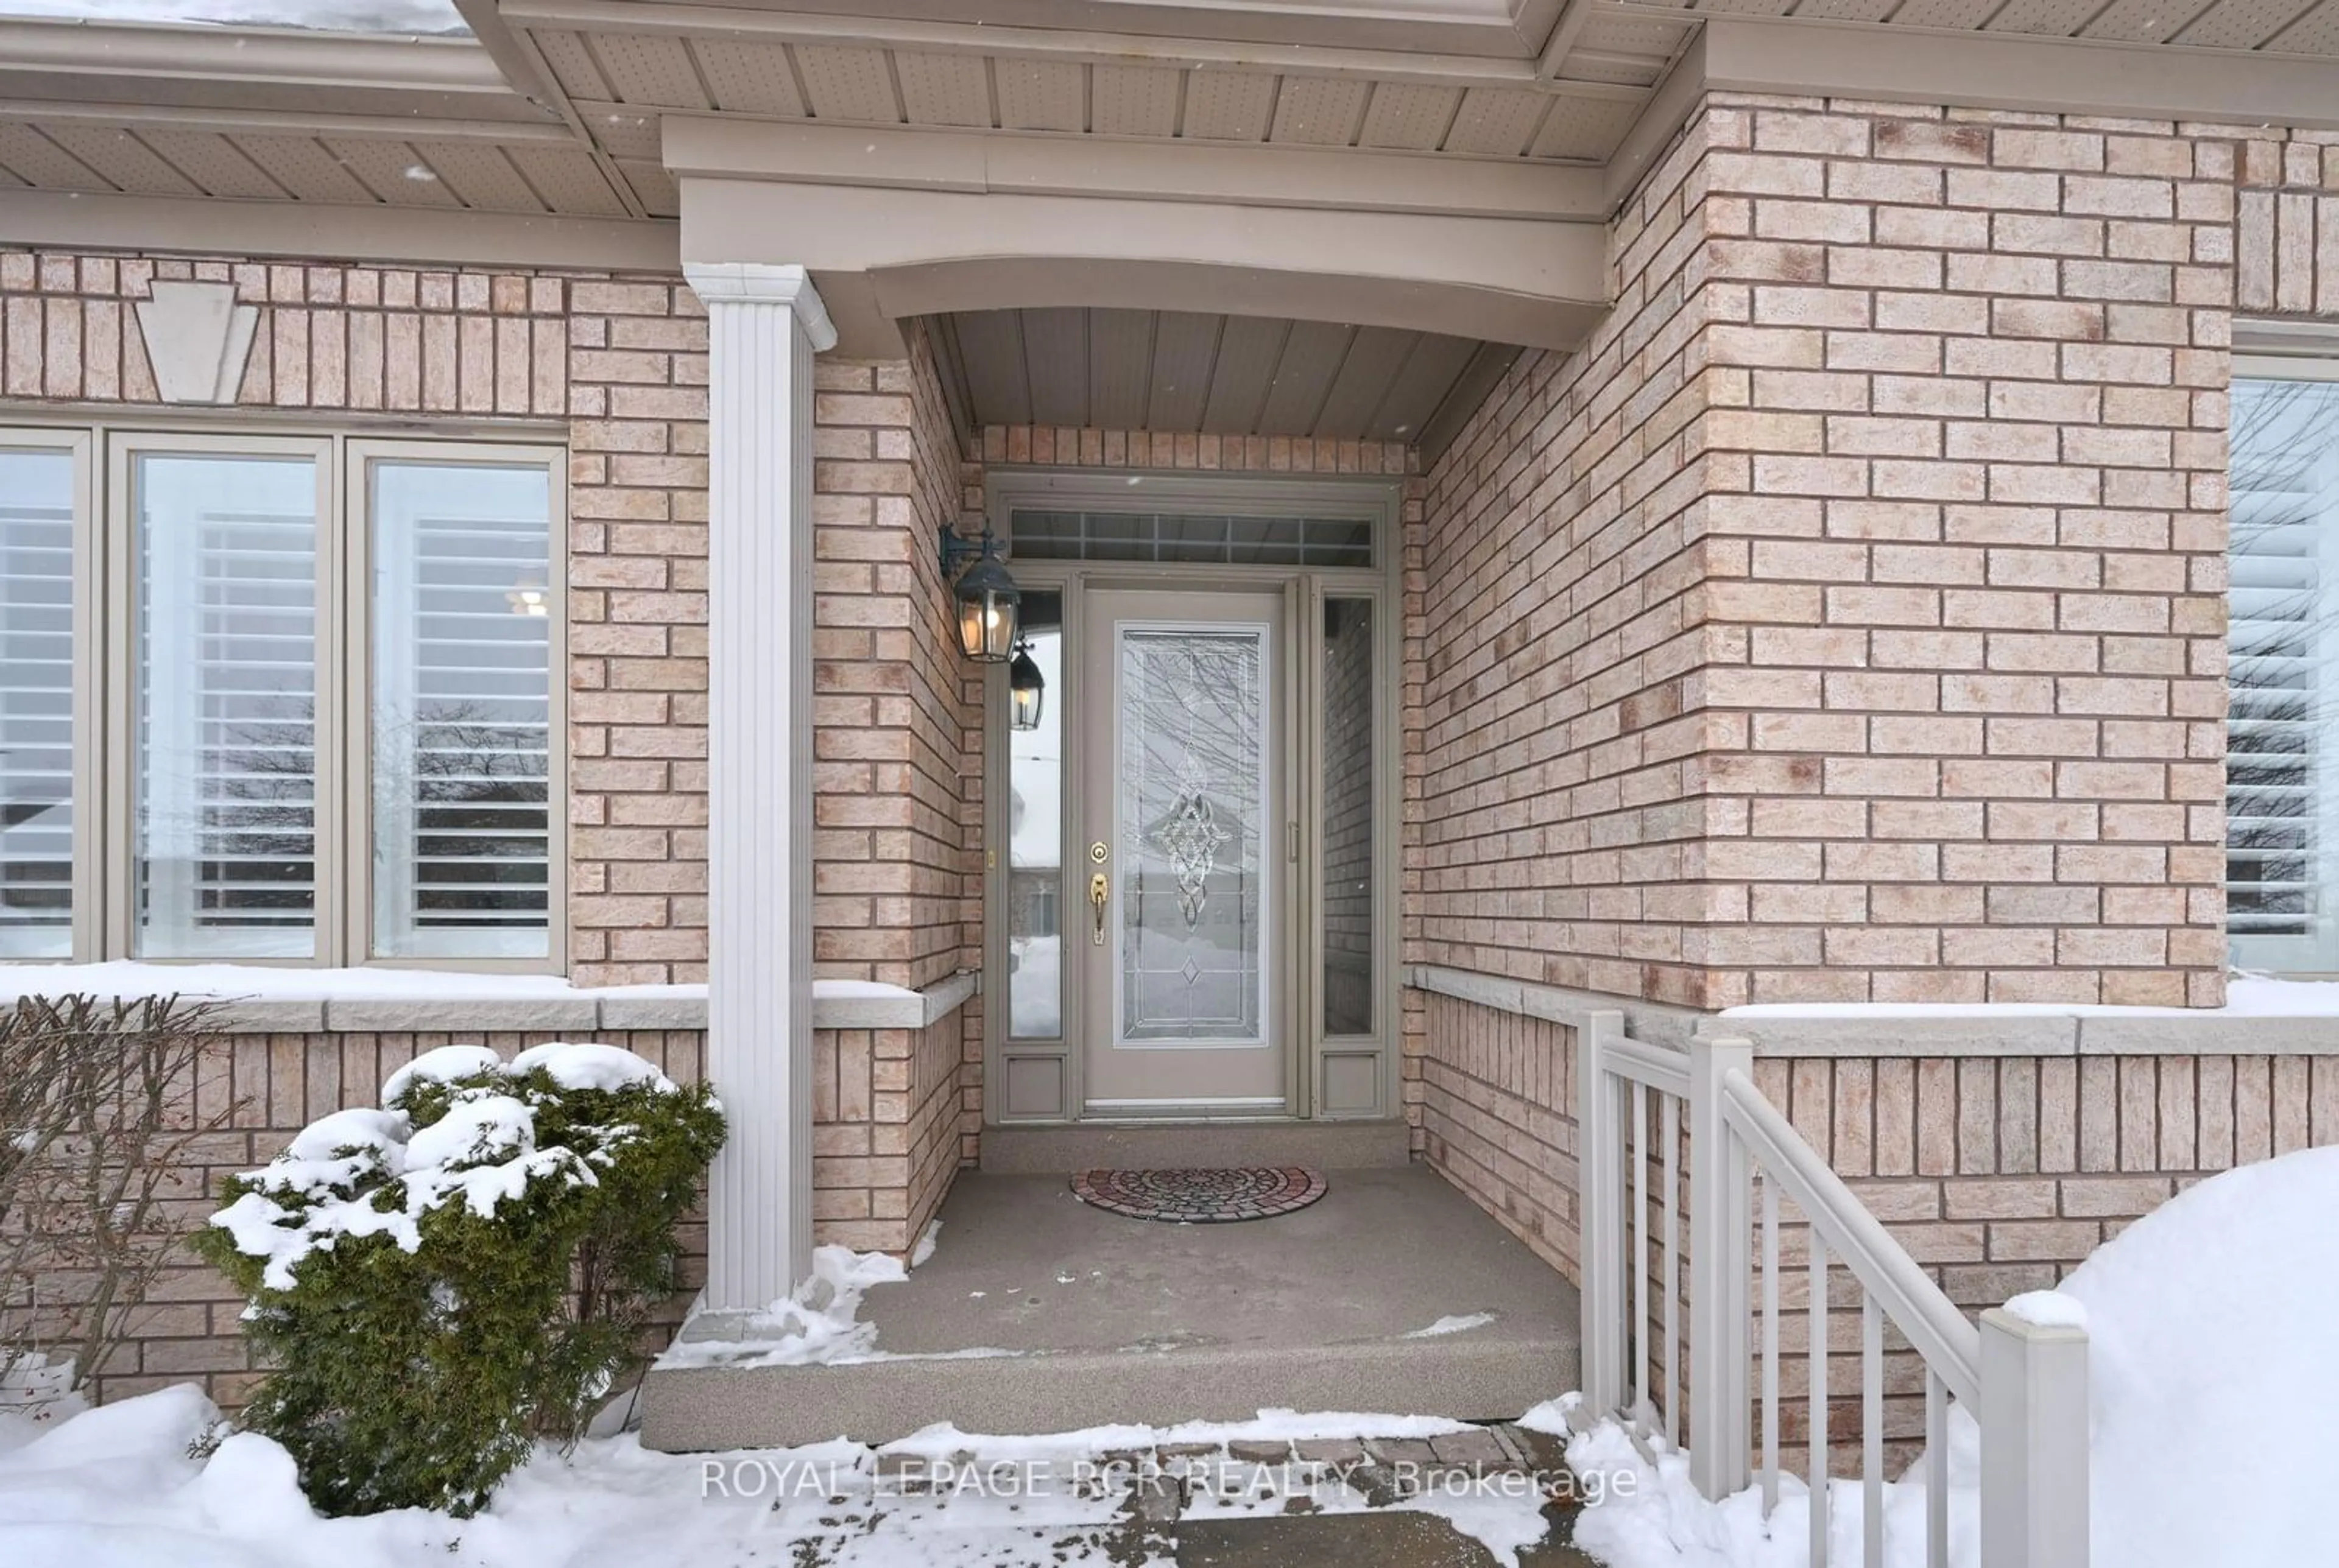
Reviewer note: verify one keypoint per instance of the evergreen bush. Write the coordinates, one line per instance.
(442, 1281)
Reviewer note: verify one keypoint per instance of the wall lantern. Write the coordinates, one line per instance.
(1026, 690)
(988, 604)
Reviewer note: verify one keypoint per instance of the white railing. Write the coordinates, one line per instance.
(2025, 1384)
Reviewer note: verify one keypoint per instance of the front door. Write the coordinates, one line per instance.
(1178, 826)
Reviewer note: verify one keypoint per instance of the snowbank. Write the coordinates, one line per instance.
(2214, 1379)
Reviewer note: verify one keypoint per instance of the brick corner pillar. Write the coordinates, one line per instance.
(765, 323)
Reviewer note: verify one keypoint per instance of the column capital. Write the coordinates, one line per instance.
(764, 283)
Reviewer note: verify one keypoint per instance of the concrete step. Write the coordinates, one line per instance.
(1157, 1145)
(1039, 1314)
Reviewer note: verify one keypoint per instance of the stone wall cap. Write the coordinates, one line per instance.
(261, 1000)
(2261, 1017)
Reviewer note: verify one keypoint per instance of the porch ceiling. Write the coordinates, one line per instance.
(1174, 371)
(272, 115)
(548, 137)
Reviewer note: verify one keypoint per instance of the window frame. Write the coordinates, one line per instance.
(2280, 352)
(86, 931)
(105, 686)
(357, 751)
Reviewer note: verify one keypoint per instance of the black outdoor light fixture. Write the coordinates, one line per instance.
(1026, 688)
(988, 604)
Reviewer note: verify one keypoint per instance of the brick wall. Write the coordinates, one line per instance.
(896, 715)
(1968, 375)
(1846, 621)
(885, 1132)
(2000, 1175)
(1553, 631)
(1497, 1118)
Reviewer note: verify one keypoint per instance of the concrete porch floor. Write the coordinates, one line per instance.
(1040, 1314)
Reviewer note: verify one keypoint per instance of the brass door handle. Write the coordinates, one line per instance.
(1099, 889)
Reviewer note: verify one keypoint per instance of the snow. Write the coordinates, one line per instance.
(573, 1064)
(877, 990)
(117, 1488)
(1452, 1324)
(2211, 1366)
(443, 1065)
(817, 1326)
(475, 1130)
(36, 1391)
(2050, 1310)
(2247, 996)
(332, 15)
(923, 1252)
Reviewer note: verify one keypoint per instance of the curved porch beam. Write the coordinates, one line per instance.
(882, 254)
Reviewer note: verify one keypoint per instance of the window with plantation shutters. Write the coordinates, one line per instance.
(461, 710)
(37, 702)
(281, 698)
(227, 639)
(2282, 778)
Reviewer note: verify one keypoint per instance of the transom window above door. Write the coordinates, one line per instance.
(1191, 540)
(279, 699)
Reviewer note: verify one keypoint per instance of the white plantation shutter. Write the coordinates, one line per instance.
(461, 710)
(36, 719)
(2281, 780)
(227, 635)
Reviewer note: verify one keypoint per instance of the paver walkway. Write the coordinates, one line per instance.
(1375, 1503)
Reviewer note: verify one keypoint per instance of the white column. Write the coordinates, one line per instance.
(763, 325)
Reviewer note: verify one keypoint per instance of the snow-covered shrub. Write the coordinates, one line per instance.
(441, 1281)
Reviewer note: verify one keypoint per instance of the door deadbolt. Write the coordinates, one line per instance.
(1099, 853)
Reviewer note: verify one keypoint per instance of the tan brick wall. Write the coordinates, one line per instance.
(1846, 621)
(1969, 383)
(1497, 1118)
(1555, 632)
(2000, 1175)
(893, 705)
(885, 1136)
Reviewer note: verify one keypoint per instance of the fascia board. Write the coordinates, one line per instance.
(717, 147)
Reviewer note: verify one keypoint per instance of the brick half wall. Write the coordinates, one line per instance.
(1998, 1174)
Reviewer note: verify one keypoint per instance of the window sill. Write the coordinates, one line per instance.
(261, 1001)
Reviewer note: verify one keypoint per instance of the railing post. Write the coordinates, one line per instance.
(1600, 1199)
(1721, 1229)
(2033, 1443)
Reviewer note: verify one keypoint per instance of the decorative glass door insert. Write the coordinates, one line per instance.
(1192, 804)
(1180, 838)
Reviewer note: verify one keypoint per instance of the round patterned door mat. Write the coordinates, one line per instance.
(1200, 1197)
